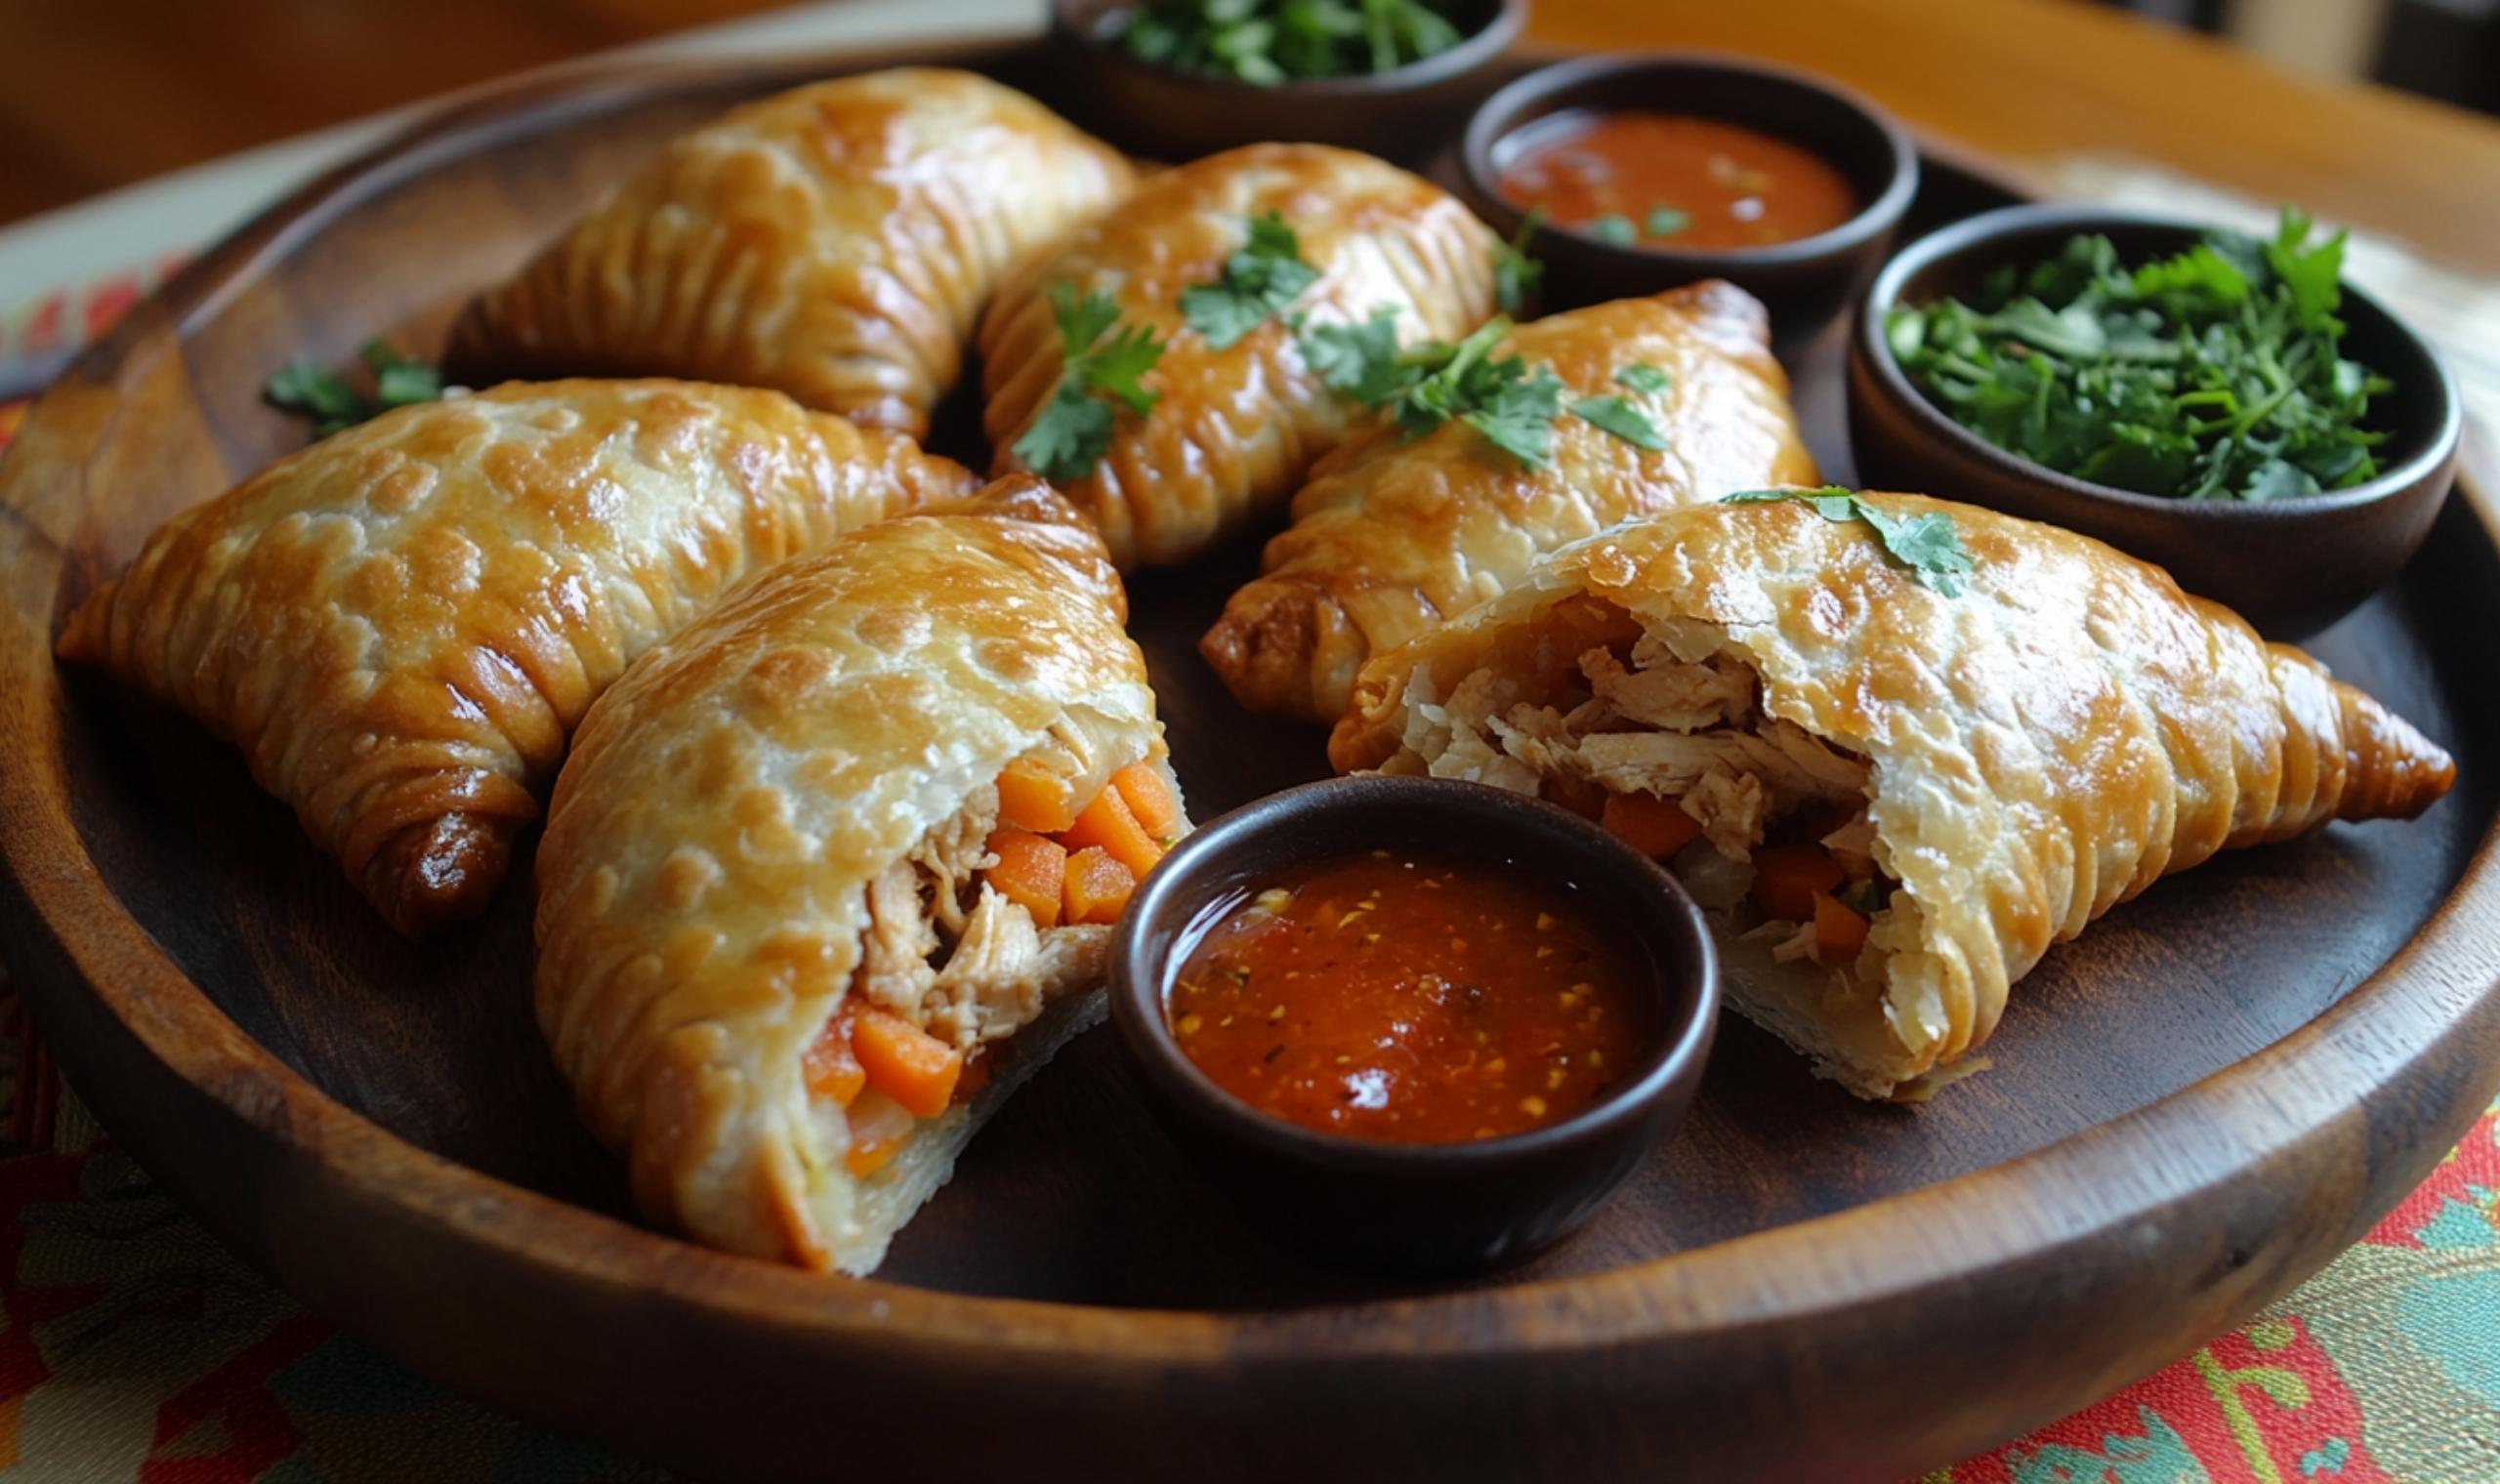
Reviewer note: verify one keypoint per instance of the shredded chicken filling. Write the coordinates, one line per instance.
(1675, 714)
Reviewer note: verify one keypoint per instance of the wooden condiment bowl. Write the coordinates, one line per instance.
(2291, 566)
(1417, 1208)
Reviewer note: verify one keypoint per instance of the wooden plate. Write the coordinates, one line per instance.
(2220, 1087)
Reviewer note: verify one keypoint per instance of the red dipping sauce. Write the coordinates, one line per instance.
(1663, 179)
(1411, 999)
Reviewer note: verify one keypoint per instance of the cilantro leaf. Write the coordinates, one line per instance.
(1357, 361)
(1517, 277)
(1614, 229)
(1517, 416)
(334, 403)
(1073, 430)
(1260, 279)
(1622, 417)
(2313, 274)
(1666, 221)
(1927, 543)
(1641, 377)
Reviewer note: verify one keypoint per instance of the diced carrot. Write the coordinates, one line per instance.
(1839, 932)
(905, 1062)
(1031, 797)
(1031, 871)
(1787, 877)
(833, 1073)
(870, 1155)
(1108, 823)
(1097, 886)
(1148, 798)
(1649, 824)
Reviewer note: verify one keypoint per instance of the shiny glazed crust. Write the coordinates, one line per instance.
(402, 625)
(834, 242)
(1236, 428)
(702, 882)
(2046, 746)
(1390, 535)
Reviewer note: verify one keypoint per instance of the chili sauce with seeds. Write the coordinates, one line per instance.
(1411, 999)
(1668, 181)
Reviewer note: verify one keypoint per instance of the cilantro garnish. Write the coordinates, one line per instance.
(1273, 41)
(1641, 377)
(1666, 221)
(1067, 439)
(1516, 274)
(2215, 374)
(1928, 543)
(1622, 417)
(1359, 362)
(1259, 280)
(334, 403)
(1614, 229)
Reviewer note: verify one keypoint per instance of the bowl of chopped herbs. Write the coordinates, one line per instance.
(1172, 79)
(2222, 404)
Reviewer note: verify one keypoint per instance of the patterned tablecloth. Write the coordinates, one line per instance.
(134, 1347)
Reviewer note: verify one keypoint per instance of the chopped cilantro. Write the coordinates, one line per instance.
(1927, 543)
(333, 404)
(1268, 42)
(1666, 221)
(1258, 281)
(1622, 417)
(1074, 427)
(1517, 277)
(2214, 374)
(1641, 377)
(1614, 229)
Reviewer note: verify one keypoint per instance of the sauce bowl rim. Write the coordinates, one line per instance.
(1139, 984)
(1987, 229)
(1496, 119)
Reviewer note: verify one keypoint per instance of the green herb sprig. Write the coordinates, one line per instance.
(1517, 277)
(1512, 403)
(2215, 374)
(1268, 42)
(335, 404)
(1258, 281)
(1103, 362)
(1928, 544)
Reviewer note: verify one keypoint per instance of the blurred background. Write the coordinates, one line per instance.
(95, 93)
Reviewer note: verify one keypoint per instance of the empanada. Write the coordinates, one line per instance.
(1390, 535)
(1981, 775)
(834, 242)
(402, 625)
(1236, 426)
(787, 923)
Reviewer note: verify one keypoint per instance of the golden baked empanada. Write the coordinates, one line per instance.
(1892, 801)
(402, 625)
(1390, 534)
(1236, 425)
(790, 949)
(833, 242)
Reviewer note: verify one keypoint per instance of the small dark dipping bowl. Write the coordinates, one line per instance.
(1416, 1209)
(2291, 567)
(1805, 282)
(1164, 114)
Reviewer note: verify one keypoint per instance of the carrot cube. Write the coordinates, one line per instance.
(1839, 932)
(1031, 871)
(1654, 826)
(1097, 886)
(832, 1073)
(1148, 798)
(1031, 797)
(1787, 877)
(905, 1062)
(1108, 824)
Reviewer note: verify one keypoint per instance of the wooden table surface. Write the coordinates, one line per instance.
(102, 93)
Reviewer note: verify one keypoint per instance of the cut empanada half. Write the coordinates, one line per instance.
(834, 871)
(1890, 800)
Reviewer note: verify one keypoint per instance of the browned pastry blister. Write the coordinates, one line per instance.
(1235, 428)
(1392, 534)
(834, 242)
(402, 625)
(782, 814)
(2005, 765)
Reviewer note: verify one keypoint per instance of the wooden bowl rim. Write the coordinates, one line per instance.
(2322, 1079)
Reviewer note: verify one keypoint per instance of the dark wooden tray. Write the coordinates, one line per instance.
(2193, 1109)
